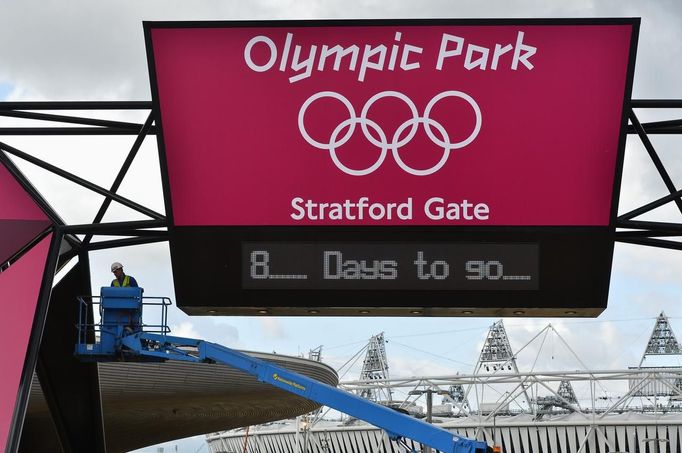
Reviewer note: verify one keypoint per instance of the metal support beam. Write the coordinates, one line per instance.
(646, 234)
(122, 172)
(651, 242)
(42, 131)
(654, 157)
(656, 103)
(70, 119)
(28, 187)
(133, 232)
(120, 227)
(124, 242)
(651, 206)
(658, 127)
(76, 105)
(662, 227)
(80, 181)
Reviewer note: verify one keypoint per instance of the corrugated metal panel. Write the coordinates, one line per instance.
(672, 432)
(641, 435)
(651, 434)
(523, 433)
(540, 437)
(544, 445)
(534, 433)
(553, 438)
(580, 436)
(663, 435)
(620, 434)
(609, 433)
(632, 439)
(270, 444)
(498, 436)
(592, 439)
(516, 441)
(506, 435)
(567, 438)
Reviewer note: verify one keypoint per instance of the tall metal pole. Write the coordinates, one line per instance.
(429, 411)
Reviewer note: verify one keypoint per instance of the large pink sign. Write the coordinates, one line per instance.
(392, 124)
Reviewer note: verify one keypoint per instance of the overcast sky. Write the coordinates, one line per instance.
(94, 50)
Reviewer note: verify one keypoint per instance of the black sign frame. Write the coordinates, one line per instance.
(208, 265)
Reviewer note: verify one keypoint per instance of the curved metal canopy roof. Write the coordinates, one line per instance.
(149, 403)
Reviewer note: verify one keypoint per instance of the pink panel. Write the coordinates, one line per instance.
(21, 219)
(15, 203)
(16, 234)
(523, 120)
(19, 292)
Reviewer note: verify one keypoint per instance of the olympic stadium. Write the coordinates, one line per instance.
(540, 410)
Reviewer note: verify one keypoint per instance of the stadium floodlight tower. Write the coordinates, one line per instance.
(375, 367)
(496, 353)
(662, 340)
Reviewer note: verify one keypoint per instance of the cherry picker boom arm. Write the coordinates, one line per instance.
(122, 335)
(396, 424)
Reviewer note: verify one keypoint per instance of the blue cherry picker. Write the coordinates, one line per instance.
(121, 335)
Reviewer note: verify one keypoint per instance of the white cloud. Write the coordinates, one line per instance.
(424, 366)
(185, 329)
(647, 265)
(272, 328)
(572, 345)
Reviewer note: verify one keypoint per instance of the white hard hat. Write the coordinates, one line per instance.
(116, 265)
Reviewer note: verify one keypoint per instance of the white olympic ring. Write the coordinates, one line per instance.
(396, 142)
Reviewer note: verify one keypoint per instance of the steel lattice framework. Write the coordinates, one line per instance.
(76, 240)
(375, 367)
(629, 228)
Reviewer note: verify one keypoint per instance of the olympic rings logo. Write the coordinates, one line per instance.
(396, 142)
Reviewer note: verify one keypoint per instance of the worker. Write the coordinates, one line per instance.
(121, 278)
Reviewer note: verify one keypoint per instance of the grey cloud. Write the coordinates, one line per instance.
(95, 50)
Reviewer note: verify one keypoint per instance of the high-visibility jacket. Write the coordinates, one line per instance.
(126, 281)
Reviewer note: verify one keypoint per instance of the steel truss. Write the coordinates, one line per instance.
(510, 390)
(655, 392)
(135, 232)
(72, 432)
(644, 232)
(637, 383)
(500, 396)
(629, 229)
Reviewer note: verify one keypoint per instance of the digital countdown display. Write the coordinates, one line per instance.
(397, 167)
(454, 266)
